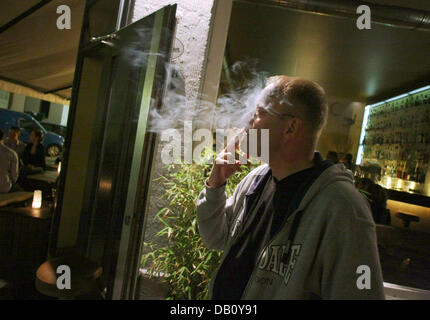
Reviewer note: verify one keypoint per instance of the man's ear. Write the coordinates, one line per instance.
(293, 126)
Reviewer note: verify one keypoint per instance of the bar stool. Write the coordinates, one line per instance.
(84, 280)
(407, 218)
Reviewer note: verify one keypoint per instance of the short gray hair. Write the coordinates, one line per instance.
(307, 97)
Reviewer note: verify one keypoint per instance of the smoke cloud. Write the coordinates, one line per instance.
(232, 109)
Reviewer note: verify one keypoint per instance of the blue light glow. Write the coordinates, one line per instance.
(419, 90)
(398, 97)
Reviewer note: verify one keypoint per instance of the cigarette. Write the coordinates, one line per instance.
(242, 135)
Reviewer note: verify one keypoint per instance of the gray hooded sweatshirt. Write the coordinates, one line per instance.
(332, 255)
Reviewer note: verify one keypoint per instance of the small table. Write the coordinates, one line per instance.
(24, 236)
(46, 176)
(44, 181)
(40, 213)
(14, 197)
(84, 273)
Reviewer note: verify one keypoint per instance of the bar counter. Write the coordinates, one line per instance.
(408, 197)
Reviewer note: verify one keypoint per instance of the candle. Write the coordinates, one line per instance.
(59, 167)
(37, 199)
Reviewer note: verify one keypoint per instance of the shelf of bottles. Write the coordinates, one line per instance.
(397, 137)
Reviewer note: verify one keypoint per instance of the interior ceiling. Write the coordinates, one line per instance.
(34, 52)
(364, 65)
(10, 9)
(413, 4)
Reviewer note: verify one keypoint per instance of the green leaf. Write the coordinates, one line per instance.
(186, 261)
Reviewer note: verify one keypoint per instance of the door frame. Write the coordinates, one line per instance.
(124, 265)
(132, 233)
(123, 18)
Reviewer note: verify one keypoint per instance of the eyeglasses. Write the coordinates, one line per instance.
(274, 113)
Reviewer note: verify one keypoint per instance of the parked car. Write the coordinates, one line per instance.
(56, 128)
(52, 142)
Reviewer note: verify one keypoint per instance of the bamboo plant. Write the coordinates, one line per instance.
(185, 263)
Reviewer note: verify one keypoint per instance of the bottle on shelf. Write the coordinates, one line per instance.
(399, 172)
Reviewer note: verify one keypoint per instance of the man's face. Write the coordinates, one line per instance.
(13, 135)
(266, 111)
(268, 116)
(33, 137)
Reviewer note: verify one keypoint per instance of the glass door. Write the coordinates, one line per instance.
(102, 202)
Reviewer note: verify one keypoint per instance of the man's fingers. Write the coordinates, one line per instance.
(229, 152)
(242, 135)
(225, 155)
(227, 162)
(236, 139)
(222, 161)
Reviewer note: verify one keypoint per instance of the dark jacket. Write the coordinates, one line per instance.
(38, 159)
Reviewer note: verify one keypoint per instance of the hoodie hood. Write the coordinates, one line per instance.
(332, 174)
(325, 173)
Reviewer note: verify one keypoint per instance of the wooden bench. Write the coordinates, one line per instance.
(14, 197)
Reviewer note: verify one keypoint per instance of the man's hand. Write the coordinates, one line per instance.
(222, 169)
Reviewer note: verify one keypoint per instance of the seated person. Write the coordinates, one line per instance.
(34, 154)
(15, 144)
(377, 198)
(8, 167)
(332, 156)
(13, 141)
